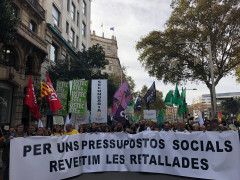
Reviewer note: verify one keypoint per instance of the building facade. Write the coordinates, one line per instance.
(67, 29)
(111, 53)
(205, 100)
(21, 58)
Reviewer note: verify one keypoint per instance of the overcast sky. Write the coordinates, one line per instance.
(133, 19)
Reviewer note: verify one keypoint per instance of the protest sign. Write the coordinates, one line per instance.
(210, 155)
(62, 92)
(78, 96)
(99, 101)
(149, 114)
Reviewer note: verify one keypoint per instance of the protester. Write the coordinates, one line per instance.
(40, 131)
(31, 131)
(6, 151)
(70, 130)
(57, 131)
(94, 128)
(166, 127)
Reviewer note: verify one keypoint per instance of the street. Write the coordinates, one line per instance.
(128, 176)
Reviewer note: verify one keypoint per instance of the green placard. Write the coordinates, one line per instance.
(78, 96)
(62, 93)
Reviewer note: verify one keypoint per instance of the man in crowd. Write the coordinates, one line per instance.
(166, 127)
(40, 131)
(31, 131)
(93, 128)
(70, 130)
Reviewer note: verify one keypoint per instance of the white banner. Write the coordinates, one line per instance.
(149, 114)
(99, 101)
(210, 155)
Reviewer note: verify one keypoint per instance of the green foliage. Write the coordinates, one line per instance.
(230, 106)
(82, 68)
(193, 21)
(8, 22)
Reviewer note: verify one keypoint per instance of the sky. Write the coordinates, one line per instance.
(133, 20)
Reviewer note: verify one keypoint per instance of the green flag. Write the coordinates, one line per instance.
(169, 99)
(177, 100)
(182, 108)
(131, 103)
(160, 119)
(163, 114)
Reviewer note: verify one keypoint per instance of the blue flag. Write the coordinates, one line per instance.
(138, 104)
(111, 28)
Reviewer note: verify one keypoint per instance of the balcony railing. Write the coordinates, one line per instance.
(38, 8)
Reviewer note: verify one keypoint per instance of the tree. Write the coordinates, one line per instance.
(82, 68)
(193, 21)
(8, 21)
(194, 108)
(230, 106)
(118, 79)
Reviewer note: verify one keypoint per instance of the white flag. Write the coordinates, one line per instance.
(200, 119)
(68, 121)
(40, 124)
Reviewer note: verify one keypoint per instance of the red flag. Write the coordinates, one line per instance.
(31, 99)
(53, 100)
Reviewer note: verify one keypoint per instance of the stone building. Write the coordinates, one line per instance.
(67, 29)
(111, 52)
(21, 58)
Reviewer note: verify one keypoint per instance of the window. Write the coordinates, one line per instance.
(77, 39)
(67, 27)
(53, 52)
(33, 26)
(84, 8)
(56, 15)
(83, 47)
(72, 36)
(77, 19)
(109, 68)
(108, 48)
(68, 4)
(83, 29)
(73, 12)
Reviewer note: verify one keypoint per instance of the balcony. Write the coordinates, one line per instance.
(37, 8)
(32, 37)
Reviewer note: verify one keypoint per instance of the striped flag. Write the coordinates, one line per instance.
(45, 90)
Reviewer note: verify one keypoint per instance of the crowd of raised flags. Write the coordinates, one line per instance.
(122, 99)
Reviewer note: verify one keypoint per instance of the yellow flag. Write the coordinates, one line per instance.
(91, 22)
(45, 90)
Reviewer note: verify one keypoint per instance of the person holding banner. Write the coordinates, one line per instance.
(57, 131)
(31, 130)
(40, 131)
(70, 130)
(93, 128)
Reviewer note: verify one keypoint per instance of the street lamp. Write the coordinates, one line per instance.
(211, 71)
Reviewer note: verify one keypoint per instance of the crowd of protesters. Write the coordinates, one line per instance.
(110, 127)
